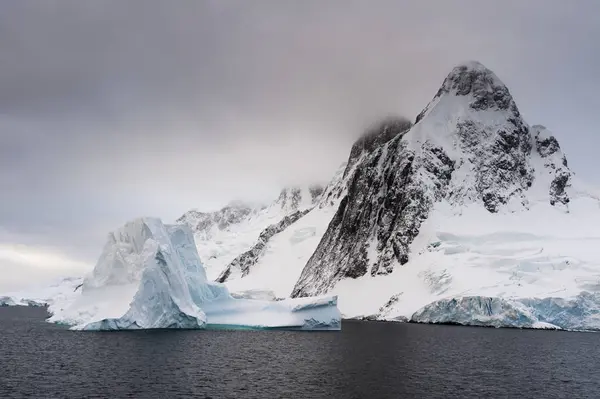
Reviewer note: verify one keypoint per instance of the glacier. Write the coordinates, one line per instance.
(149, 276)
(580, 313)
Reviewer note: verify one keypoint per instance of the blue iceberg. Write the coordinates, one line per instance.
(149, 276)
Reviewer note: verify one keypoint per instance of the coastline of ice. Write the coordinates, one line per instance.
(581, 313)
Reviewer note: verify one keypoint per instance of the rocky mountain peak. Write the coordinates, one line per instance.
(291, 199)
(482, 84)
(469, 146)
(486, 90)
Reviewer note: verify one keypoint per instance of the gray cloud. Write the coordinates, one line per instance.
(111, 110)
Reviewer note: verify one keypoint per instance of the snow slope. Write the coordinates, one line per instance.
(285, 256)
(243, 264)
(150, 276)
(223, 235)
(469, 252)
(282, 259)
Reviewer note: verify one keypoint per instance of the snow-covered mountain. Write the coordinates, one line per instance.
(224, 235)
(469, 146)
(471, 202)
(400, 238)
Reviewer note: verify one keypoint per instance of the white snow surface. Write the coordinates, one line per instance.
(150, 276)
(219, 244)
(524, 257)
(278, 270)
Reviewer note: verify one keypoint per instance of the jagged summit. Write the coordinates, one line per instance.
(485, 89)
(474, 79)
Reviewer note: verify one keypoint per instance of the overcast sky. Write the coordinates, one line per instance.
(111, 110)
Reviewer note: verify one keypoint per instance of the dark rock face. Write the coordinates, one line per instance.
(555, 163)
(500, 159)
(487, 90)
(547, 146)
(245, 261)
(394, 177)
(385, 205)
(378, 135)
(558, 187)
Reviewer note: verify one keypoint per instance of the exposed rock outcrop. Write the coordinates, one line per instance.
(244, 262)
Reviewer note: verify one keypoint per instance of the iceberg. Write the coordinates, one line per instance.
(580, 313)
(149, 276)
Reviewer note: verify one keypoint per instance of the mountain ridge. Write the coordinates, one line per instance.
(225, 235)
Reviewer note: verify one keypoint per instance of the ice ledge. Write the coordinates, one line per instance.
(579, 313)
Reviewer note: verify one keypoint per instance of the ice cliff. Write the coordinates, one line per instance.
(581, 312)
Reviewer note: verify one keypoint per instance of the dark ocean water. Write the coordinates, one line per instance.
(365, 360)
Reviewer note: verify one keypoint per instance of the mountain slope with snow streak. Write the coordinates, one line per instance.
(284, 255)
(224, 235)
